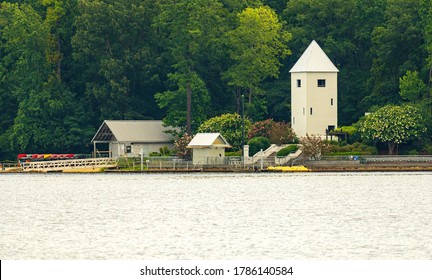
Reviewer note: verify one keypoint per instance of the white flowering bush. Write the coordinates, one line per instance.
(393, 125)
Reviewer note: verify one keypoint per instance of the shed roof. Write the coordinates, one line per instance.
(314, 59)
(207, 140)
(141, 131)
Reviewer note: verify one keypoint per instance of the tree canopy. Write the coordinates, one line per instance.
(67, 65)
(393, 125)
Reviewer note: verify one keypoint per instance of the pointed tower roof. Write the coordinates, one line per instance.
(314, 59)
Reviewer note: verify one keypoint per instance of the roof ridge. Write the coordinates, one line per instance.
(314, 59)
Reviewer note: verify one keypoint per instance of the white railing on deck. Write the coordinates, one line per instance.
(59, 165)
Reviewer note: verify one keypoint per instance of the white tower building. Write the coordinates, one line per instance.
(313, 93)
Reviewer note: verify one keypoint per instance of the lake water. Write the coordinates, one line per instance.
(216, 216)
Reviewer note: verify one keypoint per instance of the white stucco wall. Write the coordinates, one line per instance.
(119, 149)
(308, 96)
(208, 155)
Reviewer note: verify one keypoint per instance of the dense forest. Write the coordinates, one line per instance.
(67, 65)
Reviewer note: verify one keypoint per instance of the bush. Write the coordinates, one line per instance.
(314, 147)
(234, 154)
(282, 133)
(287, 150)
(258, 143)
(336, 149)
(180, 145)
(261, 129)
(165, 151)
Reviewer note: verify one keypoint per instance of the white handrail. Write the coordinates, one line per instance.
(59, 165)
(270, 150)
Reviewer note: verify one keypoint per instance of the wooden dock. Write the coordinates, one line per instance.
(69, 165)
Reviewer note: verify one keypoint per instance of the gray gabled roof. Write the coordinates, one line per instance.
(207, 140)
(138, 131)
(314, 59)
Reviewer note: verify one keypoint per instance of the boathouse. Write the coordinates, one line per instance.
(314, 93)
(208, 148)
(129, 137)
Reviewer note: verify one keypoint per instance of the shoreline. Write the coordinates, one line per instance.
(310, 169)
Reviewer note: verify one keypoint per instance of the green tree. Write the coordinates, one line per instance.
(175, 103)
(397, 48)
(343, 29)
(113, 57)
(255, 47)
(393, 125)
(48, 116)
(230, 126)
(187, 29)
(412, 88)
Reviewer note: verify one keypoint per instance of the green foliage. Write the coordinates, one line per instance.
(175, 101)
(67, 65)
(257, 144)
(393, 125)
(255, 47)
(336, 149)
(229, 125)
(256, 44)
(412, 88)
(234, 154)
(287, 150)
(350, 130)
(392, 55)
(163, 152)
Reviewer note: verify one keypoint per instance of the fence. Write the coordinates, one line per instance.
(380, 158)
(8, 164)
(175, 163)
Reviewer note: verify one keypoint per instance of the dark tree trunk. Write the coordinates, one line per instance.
(60, 58)
(238, 95)
(391, 147)
(189, 109)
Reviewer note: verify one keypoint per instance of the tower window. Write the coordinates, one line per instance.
(303, 111)
(311, 110)
(331, 101)
(321, 83)
(298, 83)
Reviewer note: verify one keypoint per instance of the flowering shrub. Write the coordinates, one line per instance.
(261, 128)
(393, 125)
(313, 146)
(282, 133)
(180, 145)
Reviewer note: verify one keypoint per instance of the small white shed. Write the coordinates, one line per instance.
(208, 148)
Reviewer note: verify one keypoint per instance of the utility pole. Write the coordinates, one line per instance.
(243, 124)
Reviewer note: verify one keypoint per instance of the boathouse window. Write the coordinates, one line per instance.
(321, 83)
(128, 149)
(298, 83)
(293, 120)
